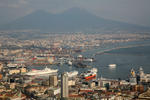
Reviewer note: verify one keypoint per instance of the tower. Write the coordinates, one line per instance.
(64, 85)
(132, 73)
(132, 79)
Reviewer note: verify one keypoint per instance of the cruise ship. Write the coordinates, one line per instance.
(90, 74)
(41, 72)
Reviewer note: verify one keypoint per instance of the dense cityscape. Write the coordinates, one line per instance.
(19, 80)
(74, 50)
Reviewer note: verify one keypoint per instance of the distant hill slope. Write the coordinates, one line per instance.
(73, 20)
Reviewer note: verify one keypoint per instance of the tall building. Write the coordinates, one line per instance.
(53, 80)
(1, 66)
(64, 85)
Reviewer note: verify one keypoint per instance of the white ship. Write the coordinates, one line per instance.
(112, 66)
(42, 72)
(72, 73)
(12, 65)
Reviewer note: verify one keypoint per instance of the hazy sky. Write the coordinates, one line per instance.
(131, 11)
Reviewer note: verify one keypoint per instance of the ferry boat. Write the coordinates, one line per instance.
(41, 72)
(112, 66)
(90, 74)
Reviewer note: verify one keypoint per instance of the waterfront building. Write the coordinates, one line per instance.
(71, 83)
(54, 91)
(141, 72)
(143, 77)
(64, 85)
(53, 80)
(92, 84)
(138, 88)
(14, 71)
(23, 70)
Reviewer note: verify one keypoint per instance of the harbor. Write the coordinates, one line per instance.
(48, 83)
(83, 73)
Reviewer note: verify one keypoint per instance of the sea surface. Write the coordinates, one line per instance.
(125, 55)
(125, 59)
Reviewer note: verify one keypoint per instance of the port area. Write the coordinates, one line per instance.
(85, 85)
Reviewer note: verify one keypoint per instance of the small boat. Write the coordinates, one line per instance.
(112, 66)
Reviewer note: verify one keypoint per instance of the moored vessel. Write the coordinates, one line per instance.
(90, 74)
(41, 72)
(112, 66)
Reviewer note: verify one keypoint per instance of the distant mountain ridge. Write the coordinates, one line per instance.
(73, 20)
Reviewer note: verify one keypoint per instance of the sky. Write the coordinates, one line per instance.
(130, 11)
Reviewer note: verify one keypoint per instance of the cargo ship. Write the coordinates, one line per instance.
(90, 74)
(41, 72)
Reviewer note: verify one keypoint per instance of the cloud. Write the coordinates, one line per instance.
(13, 3)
